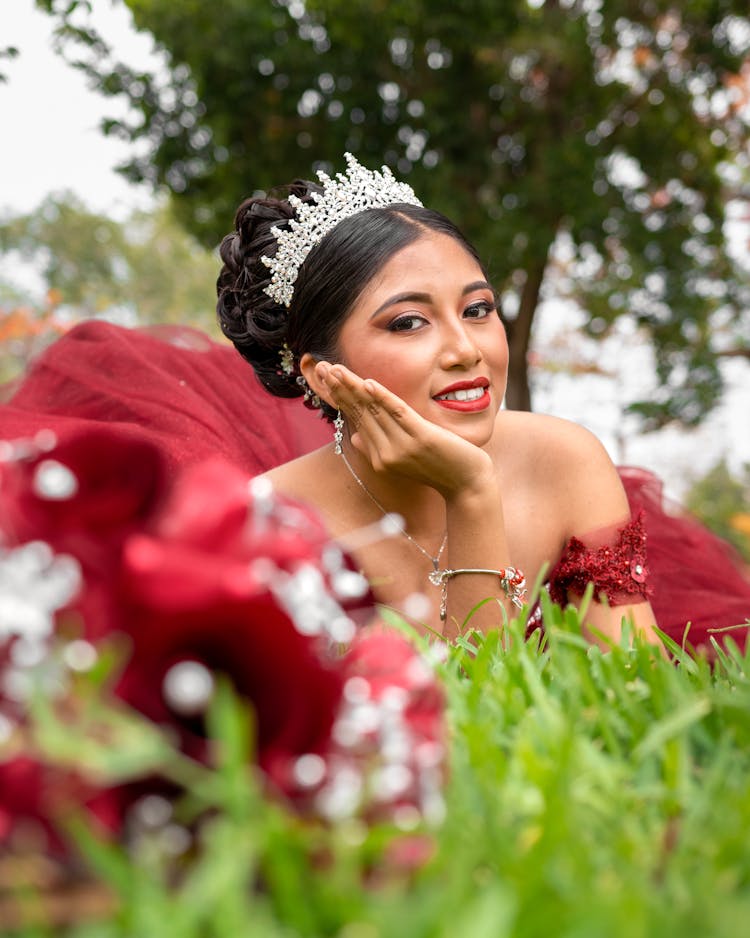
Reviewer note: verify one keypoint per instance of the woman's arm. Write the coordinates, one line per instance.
(602, 545)
(394, 438)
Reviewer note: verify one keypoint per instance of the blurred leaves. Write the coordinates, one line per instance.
(721, 500)
(145, 268)
(8, 52)
(25, 330)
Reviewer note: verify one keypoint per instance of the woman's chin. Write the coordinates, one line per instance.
(478, 432)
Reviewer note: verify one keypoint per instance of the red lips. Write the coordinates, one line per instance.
(465, 386)
(470, 406)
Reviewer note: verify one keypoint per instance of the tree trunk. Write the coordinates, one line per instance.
(518, 395)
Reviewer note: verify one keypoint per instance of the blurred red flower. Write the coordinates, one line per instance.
(212, 573)
(82, 498)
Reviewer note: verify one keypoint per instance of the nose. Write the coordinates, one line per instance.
(460, 349)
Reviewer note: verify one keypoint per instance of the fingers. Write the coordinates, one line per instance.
(392, 436)
(353, 395)
(375, 416)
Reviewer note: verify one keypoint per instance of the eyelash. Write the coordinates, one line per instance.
(483, 305)
(395, 326)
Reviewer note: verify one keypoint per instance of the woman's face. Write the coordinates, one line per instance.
(426, 327)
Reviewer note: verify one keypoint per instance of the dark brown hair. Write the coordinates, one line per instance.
(328, 284)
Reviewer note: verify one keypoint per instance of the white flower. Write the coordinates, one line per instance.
(34, 584)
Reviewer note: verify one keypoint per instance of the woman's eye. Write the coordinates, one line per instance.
(406, 324)
(479, 310)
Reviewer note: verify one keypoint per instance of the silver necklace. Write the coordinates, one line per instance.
(435, 561)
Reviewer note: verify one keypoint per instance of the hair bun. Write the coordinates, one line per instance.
(253, 321)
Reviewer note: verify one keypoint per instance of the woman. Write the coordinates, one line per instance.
(369, 303)
(378, 311)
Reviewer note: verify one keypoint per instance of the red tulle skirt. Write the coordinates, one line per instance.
(195, 398)
(700, 586)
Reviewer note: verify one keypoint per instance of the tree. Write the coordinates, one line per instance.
(25, 330)
(618, 129)
(7, 52)
(722, 501)
(147, 266)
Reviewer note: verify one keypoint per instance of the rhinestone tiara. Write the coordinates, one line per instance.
(348, 194)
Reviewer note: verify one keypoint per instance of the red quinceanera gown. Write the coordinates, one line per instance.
(196, 398)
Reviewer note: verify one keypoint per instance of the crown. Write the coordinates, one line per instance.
(348, 194)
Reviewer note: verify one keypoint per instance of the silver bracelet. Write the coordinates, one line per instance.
(512, 581)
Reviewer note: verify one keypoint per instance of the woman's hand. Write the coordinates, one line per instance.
(393, 437)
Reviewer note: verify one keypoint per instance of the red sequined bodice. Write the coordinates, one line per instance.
(617, 569)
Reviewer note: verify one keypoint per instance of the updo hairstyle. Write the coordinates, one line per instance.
(329, 282)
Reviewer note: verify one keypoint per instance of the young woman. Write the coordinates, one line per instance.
(380, 313)
(353, 296)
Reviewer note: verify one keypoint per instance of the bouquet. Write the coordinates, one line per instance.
(167, 588)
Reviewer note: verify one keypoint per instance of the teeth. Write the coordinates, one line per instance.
(469, 394)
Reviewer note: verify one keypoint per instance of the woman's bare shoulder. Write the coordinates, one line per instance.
(296, 477)
(565, 460)
(541, 436)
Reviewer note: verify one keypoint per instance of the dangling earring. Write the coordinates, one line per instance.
(338, 434)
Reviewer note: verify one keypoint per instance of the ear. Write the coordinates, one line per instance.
(307, 365)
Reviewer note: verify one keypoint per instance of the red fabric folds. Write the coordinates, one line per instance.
(169, 386)
(697, 577)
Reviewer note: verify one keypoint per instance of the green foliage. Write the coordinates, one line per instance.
(8, 52)
(590, 794)
(146, 265)
(722, 501)
(614, 123)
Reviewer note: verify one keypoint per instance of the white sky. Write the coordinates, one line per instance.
(49, 118)
(678, 456)
(50, 141)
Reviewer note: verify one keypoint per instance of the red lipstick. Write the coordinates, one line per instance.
(466, 403)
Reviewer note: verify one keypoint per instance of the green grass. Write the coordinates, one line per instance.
(589, 794)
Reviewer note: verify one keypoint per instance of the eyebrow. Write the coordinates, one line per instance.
(427, 297)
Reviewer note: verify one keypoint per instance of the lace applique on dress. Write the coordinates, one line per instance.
(618, 570)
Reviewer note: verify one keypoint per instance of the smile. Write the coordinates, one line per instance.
(468, 394)
(465, 396)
